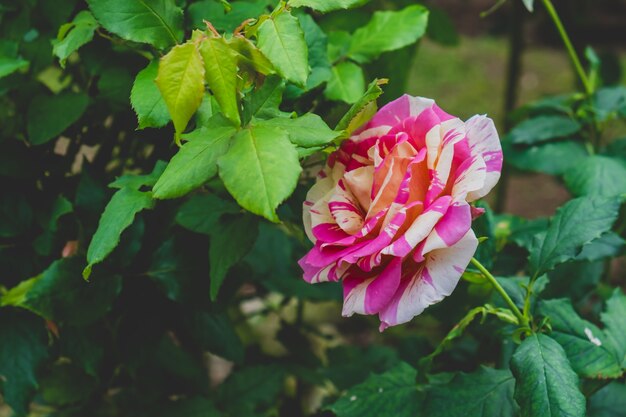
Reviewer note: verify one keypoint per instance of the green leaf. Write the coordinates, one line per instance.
(249, 57)
(543, 128)
(221, 19)
(326, 6)
(10, 65)
(74, 35)
(363, 110)
(317, 44)
(260, 169)
(118, 215)
(49, 116)
(388, 31)
(575, 224)
(346, 83)
(231, 239)
(608, 245)
(281, 40)
(220, 65)
(22, 350)
(586, 347)
(307, 131)
(137, 181)
(215, 333)
(441, 28)
(597, 175)
(251, 387)
(551, 158)
(614, 319)
(263, 103)
(156, 22)
(393, 393)
(195, 162)
(189, 407)
(201, 213)
(609, 102)
(610, 401)
(487, 392)
(64, 384)
(181, 80)
(545, 383)
(60, 294)
(45, 242)
(147, 100)
(529, 4)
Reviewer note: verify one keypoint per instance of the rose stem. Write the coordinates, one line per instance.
(568, 44)
(522, 319)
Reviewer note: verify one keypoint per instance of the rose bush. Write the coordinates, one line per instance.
(390, 215)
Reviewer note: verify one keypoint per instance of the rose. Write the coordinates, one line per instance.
(390, 214)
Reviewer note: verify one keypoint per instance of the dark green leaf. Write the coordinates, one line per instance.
(545, 383)
(117, 216)
(575, 224)
(609, 102)
(60, 294)
(260, 170)
(388, 31)
(190, 407)
(392, 393)
(586, 346)
(552, 158)
(224, 21)
(610, 401)
(49, 116)
(195, 163)
(231, 240)
(157, 22)
(614, 318)
(252, 386)
(66, 384)
(597, 175)
(202, 212)
(215, 333)
(487, 392)
(23, 347)
(441, 28)
(543, 128)
(45, 242)
(608, 245)
(147, 100)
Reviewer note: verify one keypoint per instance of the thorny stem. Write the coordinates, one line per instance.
(523, 320)
(568, 44)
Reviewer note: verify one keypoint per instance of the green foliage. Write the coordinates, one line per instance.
(260, 169)
(49, 116)
(486, 392)
(388, 31)
(195, 305)
(181, 80)
(158, 22)
(588, 350)
(282, 41)
(117, 216)
(393, 392)
(544, 380)
(147, 100)
(577, 223)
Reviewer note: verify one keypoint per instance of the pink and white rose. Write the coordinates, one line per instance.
(390, 214)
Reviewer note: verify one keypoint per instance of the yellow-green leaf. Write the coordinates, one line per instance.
(181, 81)
(220, 64)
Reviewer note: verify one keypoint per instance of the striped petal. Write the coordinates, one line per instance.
(435, 280)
